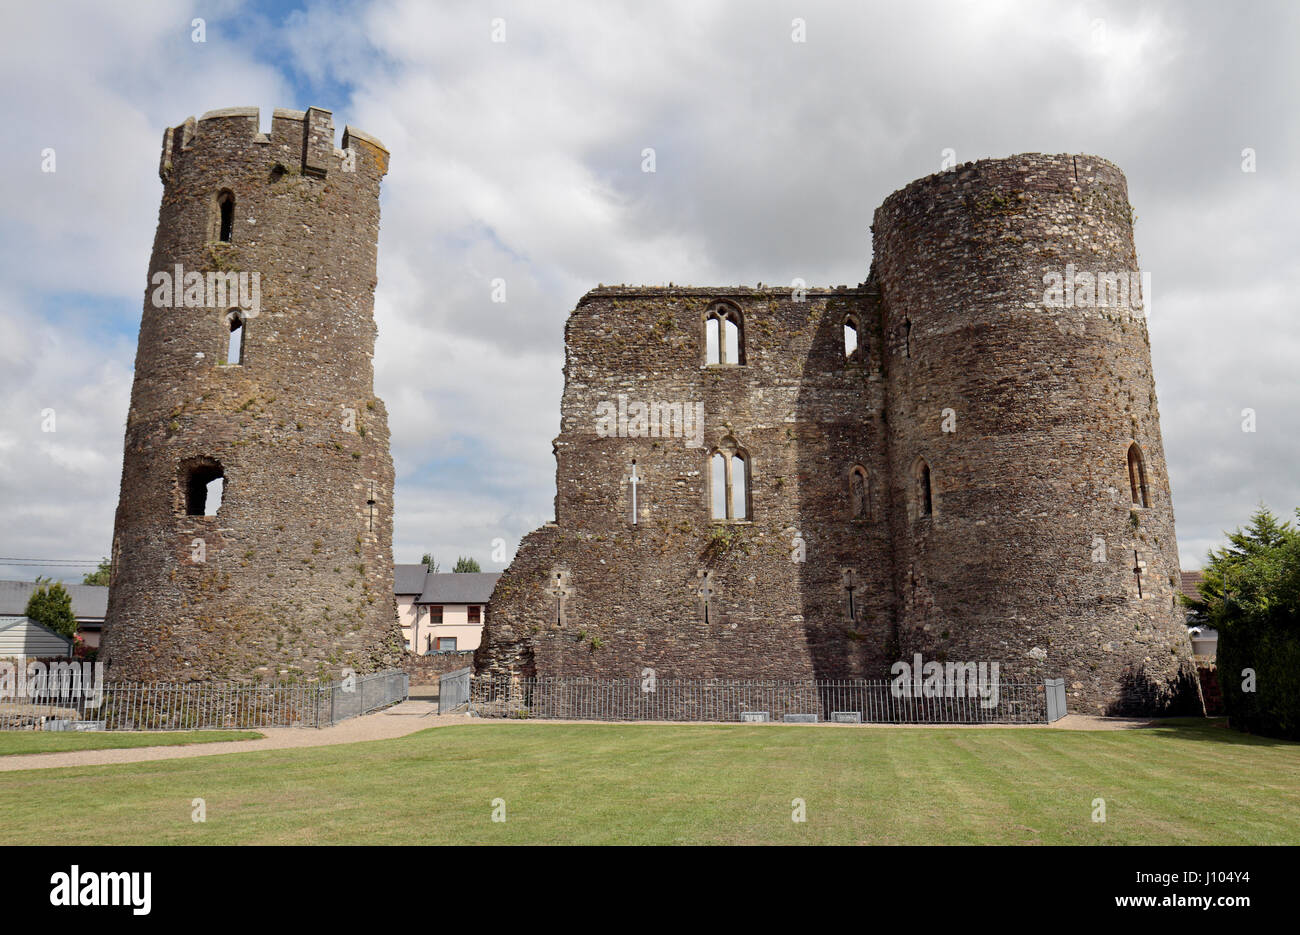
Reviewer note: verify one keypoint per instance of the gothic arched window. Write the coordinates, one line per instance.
(724, 335)
(729, 482)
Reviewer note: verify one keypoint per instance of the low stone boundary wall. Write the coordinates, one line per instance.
(427, 669)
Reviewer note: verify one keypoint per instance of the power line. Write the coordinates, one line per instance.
(51, 561)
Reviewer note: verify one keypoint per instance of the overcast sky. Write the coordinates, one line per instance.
(522, 160)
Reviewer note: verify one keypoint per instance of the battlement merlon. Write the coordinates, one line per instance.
(304, 139)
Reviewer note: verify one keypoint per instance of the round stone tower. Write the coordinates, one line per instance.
(253, 537)
(1031, 513)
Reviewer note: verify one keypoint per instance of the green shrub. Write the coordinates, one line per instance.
(51, 605)
(1250, 594)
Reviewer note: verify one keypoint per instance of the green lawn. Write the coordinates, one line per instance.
(720, 784)
(35, 741)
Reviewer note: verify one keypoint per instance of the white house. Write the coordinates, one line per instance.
(442, 611)
(408, 585)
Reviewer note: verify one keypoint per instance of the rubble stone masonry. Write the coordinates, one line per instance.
(983, 479)
(293, 576)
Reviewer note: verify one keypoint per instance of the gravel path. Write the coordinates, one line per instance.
(397, 721)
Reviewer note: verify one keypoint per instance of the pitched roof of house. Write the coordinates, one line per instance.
(89, 601)
(8, 622)
(1189, 581)
(409, 579)
(448, 587)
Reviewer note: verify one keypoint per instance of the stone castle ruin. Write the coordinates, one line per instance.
(253, 537)
(960, 457)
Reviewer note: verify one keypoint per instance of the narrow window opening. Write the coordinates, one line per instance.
(634, 480)
(719, 477)
(850, 338)
(1137, 477)
(205, 487)
(739, 490)
(849, 582)
(560, 590)
(705, 591)
(858, 502)
(235, 350)
(1138, 567)
(711, 343)
(226, 202)
(907, 337)
(924, 497)
(729, 482)
(731, 351)
(724, 335)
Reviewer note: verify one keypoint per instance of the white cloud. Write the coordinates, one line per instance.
(521, 161)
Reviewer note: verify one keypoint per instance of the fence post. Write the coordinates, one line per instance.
(1054, 689)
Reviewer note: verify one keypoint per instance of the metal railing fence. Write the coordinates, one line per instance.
(367, 693)
(162, 706)
(453, 689)
(849, 700)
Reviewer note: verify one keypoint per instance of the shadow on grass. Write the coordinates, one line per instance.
(1213, 730)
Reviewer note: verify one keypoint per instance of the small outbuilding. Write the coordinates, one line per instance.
(23, 636)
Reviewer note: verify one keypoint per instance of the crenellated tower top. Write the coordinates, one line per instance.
(302, 139)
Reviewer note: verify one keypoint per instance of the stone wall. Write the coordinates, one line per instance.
(426, 670)
(1022, 414)
(1032, 486)
(635, 596)
(293, 576)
